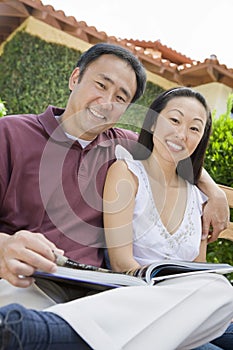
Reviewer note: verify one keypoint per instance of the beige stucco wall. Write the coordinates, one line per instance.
(50, 34)
(216, 95)
(160, 81)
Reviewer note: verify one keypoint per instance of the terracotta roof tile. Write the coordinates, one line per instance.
(156, 57)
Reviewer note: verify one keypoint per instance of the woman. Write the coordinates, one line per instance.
(152, 207)
(154, 197)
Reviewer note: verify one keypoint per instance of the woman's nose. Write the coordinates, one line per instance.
(181, 132)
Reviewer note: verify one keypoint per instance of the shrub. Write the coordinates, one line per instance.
(219, 156)
(2, 108)
(219, 164)
(134, 116)
(35, 73)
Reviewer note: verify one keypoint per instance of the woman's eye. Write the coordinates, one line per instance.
(194, 128)
(175, 120)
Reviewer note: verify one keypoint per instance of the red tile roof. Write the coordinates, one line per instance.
(156, 57)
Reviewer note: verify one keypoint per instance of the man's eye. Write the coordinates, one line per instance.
(121, 99)
(100, 84)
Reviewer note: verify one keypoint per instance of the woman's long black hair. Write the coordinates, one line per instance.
(189, 168)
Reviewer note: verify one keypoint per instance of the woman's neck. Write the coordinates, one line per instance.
(161, 171)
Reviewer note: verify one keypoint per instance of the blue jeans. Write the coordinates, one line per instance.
(224, 342)
(25, 329)
(208, 346)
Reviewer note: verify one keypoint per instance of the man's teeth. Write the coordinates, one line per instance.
(173, 145)
(96, 114)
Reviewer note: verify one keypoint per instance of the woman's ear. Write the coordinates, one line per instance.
(73, 78)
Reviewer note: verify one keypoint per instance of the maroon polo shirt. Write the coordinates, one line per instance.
(50, 184)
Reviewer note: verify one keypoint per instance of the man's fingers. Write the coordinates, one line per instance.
(217, 229)
(18, 273)
(18, 281)
(205, 228)
(212, 228)
(35, 242)
(32, 261)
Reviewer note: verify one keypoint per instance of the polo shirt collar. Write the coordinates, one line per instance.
(56, 132)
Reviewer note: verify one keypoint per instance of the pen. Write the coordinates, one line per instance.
(64, 261)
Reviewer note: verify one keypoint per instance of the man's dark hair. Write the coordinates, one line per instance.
(108, 49)
(191, 167)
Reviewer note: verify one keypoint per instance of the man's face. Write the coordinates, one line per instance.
(100, 98)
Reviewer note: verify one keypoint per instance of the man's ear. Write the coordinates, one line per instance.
(73, 78)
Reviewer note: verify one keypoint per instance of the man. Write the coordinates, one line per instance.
(51, 187)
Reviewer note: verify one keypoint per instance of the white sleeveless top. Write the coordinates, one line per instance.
(152, 242)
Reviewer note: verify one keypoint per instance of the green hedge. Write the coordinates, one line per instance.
(134, 116)
(3, 109)
(219, 155)
(219, 164)
(35, 73)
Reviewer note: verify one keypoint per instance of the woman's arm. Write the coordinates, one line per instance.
(216, 211)
(118, 204)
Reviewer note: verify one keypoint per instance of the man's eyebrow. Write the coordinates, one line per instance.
(177, 110)
(107, 78)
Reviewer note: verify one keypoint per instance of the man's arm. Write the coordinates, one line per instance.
(216, 210)
(22, 253)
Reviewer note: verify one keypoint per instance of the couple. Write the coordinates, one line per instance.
(53, 170)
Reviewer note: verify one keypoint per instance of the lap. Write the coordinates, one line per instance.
(154, 310)
(31, 297)
(109, 314)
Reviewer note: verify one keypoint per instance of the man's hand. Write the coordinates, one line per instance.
(24, 252)
(215, 216)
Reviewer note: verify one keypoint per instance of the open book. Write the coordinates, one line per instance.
(100, 279)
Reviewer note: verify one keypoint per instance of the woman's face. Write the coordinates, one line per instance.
(179, 129)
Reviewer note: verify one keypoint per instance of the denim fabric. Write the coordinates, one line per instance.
(23, 329)
(226, 340)
(208, 346)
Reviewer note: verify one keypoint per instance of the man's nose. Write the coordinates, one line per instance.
(107, 102)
